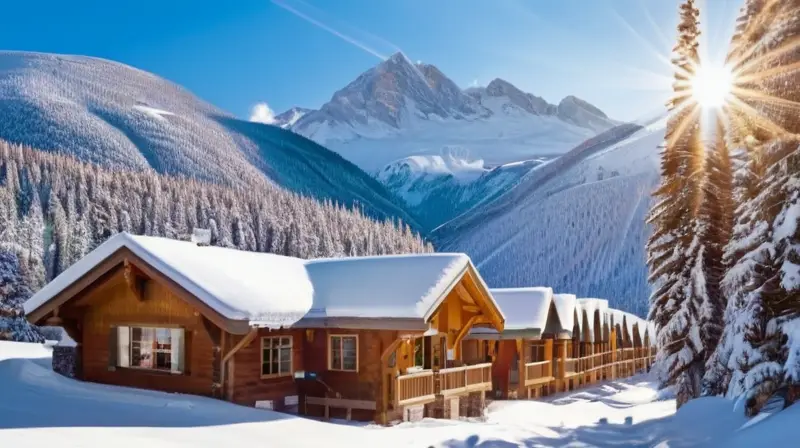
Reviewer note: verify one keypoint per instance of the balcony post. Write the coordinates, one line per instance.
(562, 359)
(522, 374)
(613, 341)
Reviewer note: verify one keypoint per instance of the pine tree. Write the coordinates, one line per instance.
(13, 293)
(743, 133)
(715, 226)
(674, 251)
(760, 340)
(82, 205)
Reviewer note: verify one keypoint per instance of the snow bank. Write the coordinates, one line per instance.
(41, 408)
(392, 286)
(267, 290)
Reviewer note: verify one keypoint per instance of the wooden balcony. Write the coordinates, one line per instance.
(415, 388)
(538, 373)
(466, 379)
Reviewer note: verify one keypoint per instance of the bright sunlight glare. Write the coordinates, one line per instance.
(711, 85)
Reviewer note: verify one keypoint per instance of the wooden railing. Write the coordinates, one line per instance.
(570, 366)
(415, 387)
(592, 362)
(473, 378)
(535, 371)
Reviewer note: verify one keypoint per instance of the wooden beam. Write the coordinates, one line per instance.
(385, 373)
(463, 294)
(471, 309)
(134, 280)
(228, 363)
(247, 339)
(521, 370)
(481, 298)
(456, 346)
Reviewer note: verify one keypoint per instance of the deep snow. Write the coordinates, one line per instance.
(41, 408)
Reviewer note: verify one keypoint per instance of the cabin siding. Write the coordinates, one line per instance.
(365, 384)
(249, 386)
(114, 305)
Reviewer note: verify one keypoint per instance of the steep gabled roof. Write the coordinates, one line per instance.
(267, 290)
(390, 286)
(524, 308)
(262, 289)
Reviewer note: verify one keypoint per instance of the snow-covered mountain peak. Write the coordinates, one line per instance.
(462, 170)
(533, 104)
(399, 108)
(288, 118)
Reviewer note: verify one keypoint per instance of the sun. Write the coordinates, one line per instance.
(711, 85)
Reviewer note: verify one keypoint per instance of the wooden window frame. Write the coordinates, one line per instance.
(330, 352)
(182, 349)
(291, 357)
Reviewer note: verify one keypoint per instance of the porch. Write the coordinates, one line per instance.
(425, 386)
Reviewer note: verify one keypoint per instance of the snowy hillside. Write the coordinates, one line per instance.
(42, 408)
(115, 115)
(436, 189)
(576, 223)
(399, 109)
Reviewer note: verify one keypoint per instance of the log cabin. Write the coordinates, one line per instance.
(367, 338)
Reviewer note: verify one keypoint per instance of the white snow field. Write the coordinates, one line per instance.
(41, 408)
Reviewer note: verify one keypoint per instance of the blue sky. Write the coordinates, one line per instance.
(235, 54)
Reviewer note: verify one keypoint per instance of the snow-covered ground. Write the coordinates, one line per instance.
(41, 408)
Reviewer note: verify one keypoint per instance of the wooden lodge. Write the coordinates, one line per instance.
(555, 342)
(368, 338)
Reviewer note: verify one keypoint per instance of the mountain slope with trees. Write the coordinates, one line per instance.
(54, 209)
(120, 117)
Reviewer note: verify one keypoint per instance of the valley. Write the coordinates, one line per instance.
(538, 189)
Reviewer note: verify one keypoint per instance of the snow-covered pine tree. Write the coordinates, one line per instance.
(765, 276)
(674, 253)
(714, 229)
(13, 293)
(743, 133)
(82, 205)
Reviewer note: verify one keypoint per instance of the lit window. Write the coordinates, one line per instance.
(150, 348)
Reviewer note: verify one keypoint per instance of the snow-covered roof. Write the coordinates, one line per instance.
(264, 289)
(529, 309)
(524, 308)
(589, 306)
(565, 308)
(389, 286)
(267, 290)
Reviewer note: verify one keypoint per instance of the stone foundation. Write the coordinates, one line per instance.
(65, 361)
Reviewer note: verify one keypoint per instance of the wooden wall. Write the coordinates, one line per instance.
(365, 384)
(113, 304)
(248, 385)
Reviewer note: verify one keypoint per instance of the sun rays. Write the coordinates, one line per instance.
(711, 85)
(729, 86)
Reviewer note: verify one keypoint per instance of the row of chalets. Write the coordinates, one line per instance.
(370, 338)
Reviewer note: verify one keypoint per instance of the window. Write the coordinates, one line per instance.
(343, 353)
(276, 356)
(419, 352)
(150, 348)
